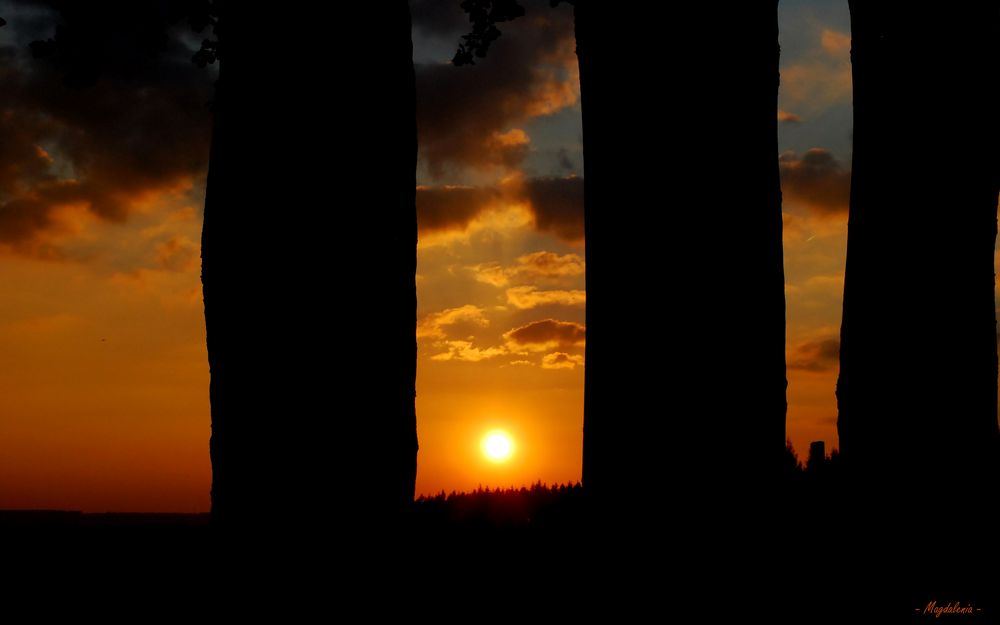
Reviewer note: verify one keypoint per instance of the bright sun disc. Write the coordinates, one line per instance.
(498, 446)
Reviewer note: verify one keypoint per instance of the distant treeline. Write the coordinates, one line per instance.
(537, 506)
(818, 463)
(541, 505)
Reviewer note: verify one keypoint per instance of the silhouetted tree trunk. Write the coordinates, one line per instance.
(685, 373)
(309, 256)
(917, 392)
(704, 232)
(252, 334)
(683, 203)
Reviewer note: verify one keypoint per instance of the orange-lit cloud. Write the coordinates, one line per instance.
(836, 43)
(822, 77)
(540, 336)
(463, 350)
(537, 336)
(817, 180)
(492, 273)
(538, 266)
(501, 219)
(434, 324)
(559, 86)
(510, 148)
(550, 265)
(560, 360)
(788, 118)
(527, 297)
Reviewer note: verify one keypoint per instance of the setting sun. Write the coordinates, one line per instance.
(498, 446)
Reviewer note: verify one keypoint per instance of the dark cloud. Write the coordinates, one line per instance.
(547, 334)
(105, 148)
(27, 20)
(22, 160)
(558, 205)
(565, 162)
(21, 218)
(440, 18)
(462, 110)
(816, 356)
(817, 180)
(555, 203)
(451, 208)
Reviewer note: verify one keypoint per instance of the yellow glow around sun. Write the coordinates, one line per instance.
(498, 446)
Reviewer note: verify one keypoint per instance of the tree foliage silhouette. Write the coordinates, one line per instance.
(109, 35)
(484, 16)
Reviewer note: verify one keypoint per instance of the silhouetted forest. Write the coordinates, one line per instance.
(539, 506)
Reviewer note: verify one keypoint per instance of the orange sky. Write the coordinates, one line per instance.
(103, 372)
(103, 369)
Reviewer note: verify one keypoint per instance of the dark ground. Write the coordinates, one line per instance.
(527, 552)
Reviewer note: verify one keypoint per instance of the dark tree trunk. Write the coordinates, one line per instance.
(309, 256)
(684, 254)
(917, 392)
(918, 381)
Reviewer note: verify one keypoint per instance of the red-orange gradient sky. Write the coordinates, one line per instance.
(103, 369)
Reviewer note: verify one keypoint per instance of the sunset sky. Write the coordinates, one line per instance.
(103, 368)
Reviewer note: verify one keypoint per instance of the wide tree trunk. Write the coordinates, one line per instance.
(684, 254)
(918, 364)
(309, 256)
(685, 371)
(918, 382)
